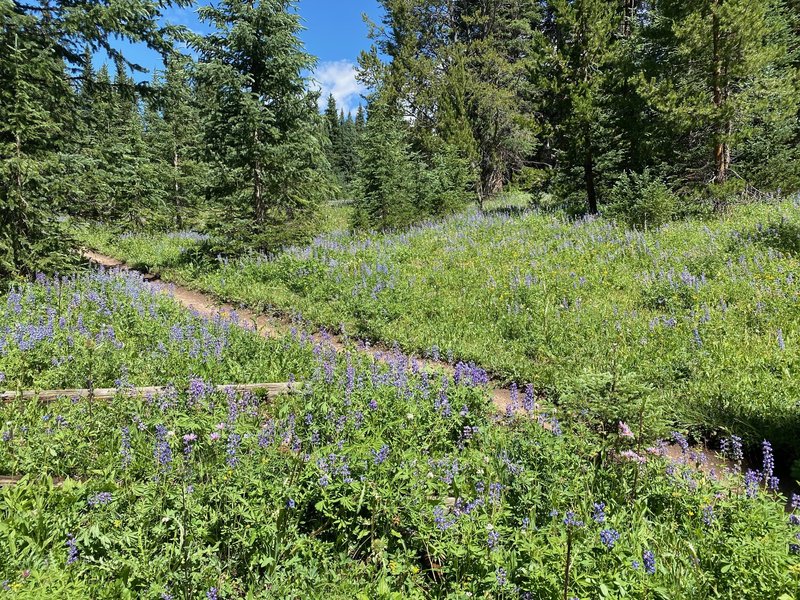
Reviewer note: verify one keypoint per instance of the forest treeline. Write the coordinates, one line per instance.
(641, 110)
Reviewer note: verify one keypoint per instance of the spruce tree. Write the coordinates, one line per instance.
(389, 183)
(262, 126)
(723, 81)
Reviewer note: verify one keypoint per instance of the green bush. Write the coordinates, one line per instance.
(641, 200)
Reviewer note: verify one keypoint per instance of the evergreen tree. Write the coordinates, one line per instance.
(389, 189)
(261, 129)
(34, 92)
(173, 139)
(584, 41)
(42, 43)
(723, 79)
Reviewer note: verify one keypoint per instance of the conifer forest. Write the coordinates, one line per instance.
(521, 321)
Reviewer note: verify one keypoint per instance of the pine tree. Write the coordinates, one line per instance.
(34, 91)
(42, 44)
(173, 140)
(725, 80)
(261, 129)
(389, 175)
(583, 38)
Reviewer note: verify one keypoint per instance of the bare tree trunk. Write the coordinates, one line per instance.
(588, 171)
(177, 188)
(722, 152)
(628, 10)
(258, 188)
(17, 227)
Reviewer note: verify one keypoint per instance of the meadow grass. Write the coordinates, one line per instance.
(700, 317)
(378, 480)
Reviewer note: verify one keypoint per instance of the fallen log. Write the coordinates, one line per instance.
(271, 390)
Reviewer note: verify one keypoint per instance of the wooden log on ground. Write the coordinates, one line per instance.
(271, 390)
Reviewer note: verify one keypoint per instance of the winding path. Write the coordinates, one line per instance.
(268, 326)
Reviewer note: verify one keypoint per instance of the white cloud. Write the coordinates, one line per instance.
(338, 78)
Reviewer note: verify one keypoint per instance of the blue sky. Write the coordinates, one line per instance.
(335, 33)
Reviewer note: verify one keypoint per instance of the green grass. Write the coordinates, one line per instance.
(374, 482)
(701, 318)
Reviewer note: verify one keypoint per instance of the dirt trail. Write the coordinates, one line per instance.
(267, 326)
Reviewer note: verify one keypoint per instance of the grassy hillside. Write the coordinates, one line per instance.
(374, 482)
(701, 318)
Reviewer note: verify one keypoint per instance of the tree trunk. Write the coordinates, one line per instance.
(258, 187)
(177, 188)
(722, 152)
(588, 171)
(17, 222)
(628, 9)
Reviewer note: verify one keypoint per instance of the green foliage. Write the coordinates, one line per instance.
(694, 309)
(641, 200)
(269, 169)
(373, 482)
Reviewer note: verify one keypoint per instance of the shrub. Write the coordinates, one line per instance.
(641, 200)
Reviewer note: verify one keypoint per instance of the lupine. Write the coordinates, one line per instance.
(100, 499)
(380, 456)
(493, 539)
(599, 512)
(234, 439)
(529, 402)
(212, 594)
(732, 448)
(162, 450)
(72, 549)
(649, 560)
(501, 576)
(769, 466)
(609, 537)
(571, 521)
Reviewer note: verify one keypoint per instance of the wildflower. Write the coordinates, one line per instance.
(571, 521)
(493, 539)
(100, 499)
(732, 448)
(188, 439)
(373, 404)
(212, 594)
(781, 343)
(632, 456)
(599, 512)
(162, 451)
(751, 481)
(215, 436)
(795, 501)
(72, 549)
(380, 456)
(494, 492)
(501, 576)
(234, 440)
(624, 430)
(635, 564)
(291, 504)
(609, 537)
(125, 450)
(769, 466)
(442, 521)
(649, 560)
(708, 515)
